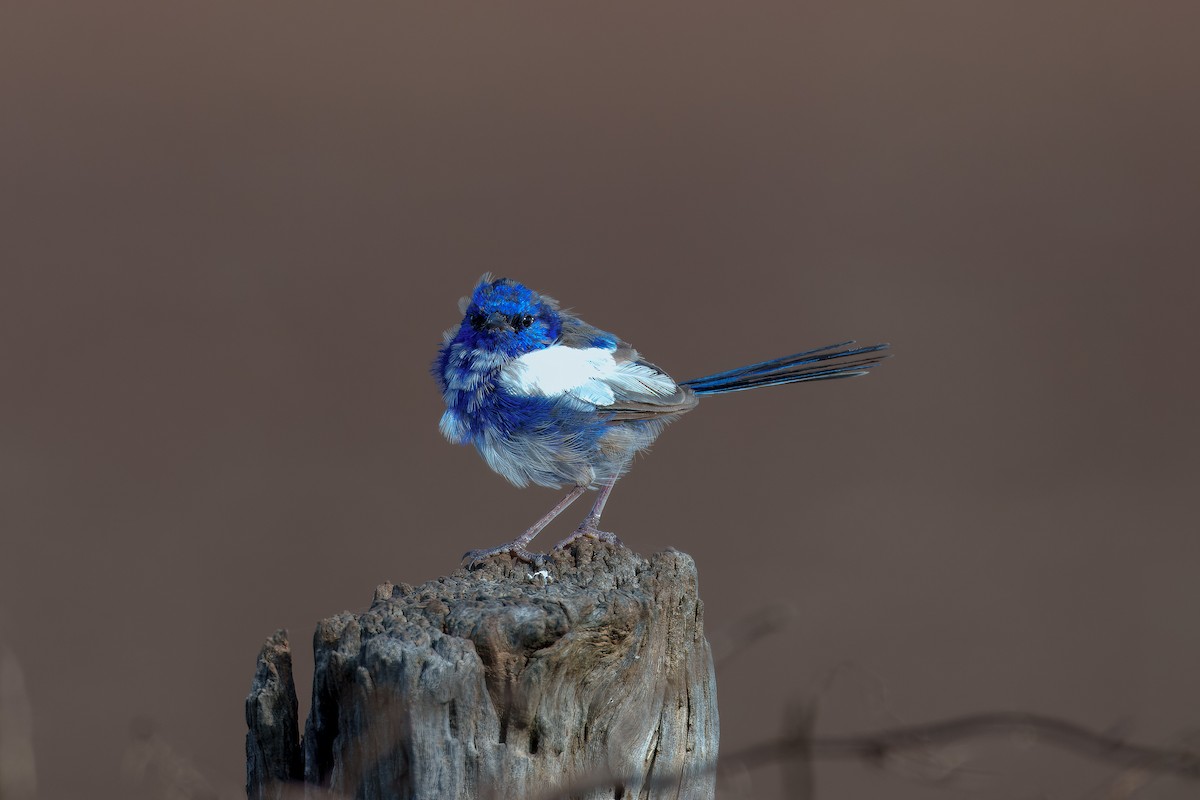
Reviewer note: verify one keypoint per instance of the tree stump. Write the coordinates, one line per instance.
(591, 679)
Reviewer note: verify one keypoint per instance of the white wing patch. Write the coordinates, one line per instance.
(556, 370)
(589, 374)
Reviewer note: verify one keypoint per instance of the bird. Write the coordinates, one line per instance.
(548, 399)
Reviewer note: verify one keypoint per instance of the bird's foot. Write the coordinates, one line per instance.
(588, 530)
(473, 558)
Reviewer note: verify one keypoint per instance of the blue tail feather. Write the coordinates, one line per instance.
(807, 366)
(773, 363)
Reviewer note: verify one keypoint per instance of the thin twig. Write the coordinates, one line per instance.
(1060, 733)
(734, 640)
(876, 746)
(799, 774)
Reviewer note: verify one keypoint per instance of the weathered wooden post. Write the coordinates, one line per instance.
(591, 679)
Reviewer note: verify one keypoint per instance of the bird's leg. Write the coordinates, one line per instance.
(517, 546)
(589, 525)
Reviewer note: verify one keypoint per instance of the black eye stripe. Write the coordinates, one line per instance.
(518, 322)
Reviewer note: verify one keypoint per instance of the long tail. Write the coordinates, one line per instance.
(813, 365)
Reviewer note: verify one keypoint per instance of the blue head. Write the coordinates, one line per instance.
(503, 316)
(501, 320)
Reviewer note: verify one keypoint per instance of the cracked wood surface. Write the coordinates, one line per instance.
(594, 681)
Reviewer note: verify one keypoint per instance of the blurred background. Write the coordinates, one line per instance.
(233, 234)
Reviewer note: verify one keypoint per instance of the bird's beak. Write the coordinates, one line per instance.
(497, 321)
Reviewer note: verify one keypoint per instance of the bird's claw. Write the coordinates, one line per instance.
(473, 558)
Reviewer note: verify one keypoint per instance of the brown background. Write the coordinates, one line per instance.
(232, 235)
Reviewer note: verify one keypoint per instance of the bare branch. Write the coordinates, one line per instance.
(734, 640)
(1060, 733)
(799, 774)
(876, 746)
